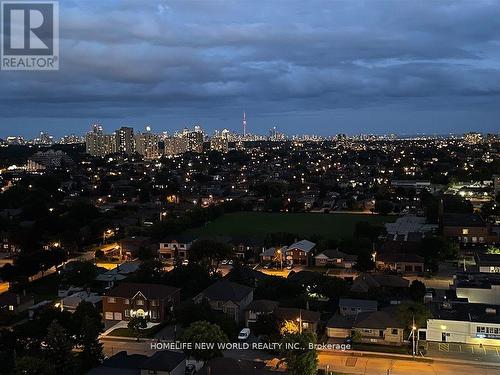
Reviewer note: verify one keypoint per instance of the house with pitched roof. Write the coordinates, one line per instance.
(230, 298)
(300, 252)
(151, 301)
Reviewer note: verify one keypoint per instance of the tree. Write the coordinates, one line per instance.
(136, 324)
(266, 324)
(300, 354)
(34, 366)
(59, 348)
(204, 332)
(417, 290)
(364, 262)
(407, 312)
(208, 253)
(383, 207)
(88, 326)
(92, 353)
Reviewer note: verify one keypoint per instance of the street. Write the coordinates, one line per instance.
(349, 364)
(342, 362)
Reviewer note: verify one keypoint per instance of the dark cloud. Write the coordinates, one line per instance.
(352, 66)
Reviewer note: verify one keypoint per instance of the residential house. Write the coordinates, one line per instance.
(71, 302)
(151, 301)
(467, 228)
(257, 308)
(108, 278)
(379, 327)
(370, 281)
(271, 254)
(14, 303)
(230, 298)
(400, 262)
(175, 248)
(340, 326)
(349, 306)
(131, 246)
(335, 258)
(300, 252)
(309, 319)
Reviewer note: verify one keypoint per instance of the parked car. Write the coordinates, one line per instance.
(244, 333)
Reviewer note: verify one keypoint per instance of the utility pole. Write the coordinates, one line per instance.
(414, 336)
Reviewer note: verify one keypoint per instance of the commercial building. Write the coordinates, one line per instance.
(461, 322)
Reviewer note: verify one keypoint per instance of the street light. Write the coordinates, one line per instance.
(299, 319)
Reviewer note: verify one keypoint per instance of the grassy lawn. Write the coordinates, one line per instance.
(259, 224)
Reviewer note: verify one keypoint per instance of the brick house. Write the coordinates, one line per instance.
(400, 262)
(300, 252)
(467, 228)
(151, 301)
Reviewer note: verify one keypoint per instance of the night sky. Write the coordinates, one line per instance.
(322, 67)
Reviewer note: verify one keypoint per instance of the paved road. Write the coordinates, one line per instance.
(337, 361)
(347, 364)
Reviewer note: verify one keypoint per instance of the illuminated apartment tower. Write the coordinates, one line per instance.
(220, 141)
(125, 140)
(146, 144)
(194, 139)
(99, 144)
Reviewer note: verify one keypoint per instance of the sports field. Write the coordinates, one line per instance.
(259, 224)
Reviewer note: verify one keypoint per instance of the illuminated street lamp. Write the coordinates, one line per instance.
(299, 319)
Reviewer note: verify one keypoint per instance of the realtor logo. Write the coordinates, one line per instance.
(30, 35)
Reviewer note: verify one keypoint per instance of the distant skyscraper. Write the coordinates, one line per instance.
(175, 145)
(125, 140)
(146, 144)
(44, 139)
(220, 141)
(194, 138)
(99, 144)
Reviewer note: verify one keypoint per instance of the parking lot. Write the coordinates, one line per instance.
(462, 351)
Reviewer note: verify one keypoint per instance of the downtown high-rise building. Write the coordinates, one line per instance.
(125, 142)
(220, 141)
(175, 145)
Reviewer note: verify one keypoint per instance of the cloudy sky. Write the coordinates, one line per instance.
(304, 66)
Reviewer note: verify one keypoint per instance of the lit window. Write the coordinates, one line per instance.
(111, 300)
(465, 231)
(140, 302)
(11, 308)
(127, 301)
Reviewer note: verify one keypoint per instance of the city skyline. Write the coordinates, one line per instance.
(405, 68)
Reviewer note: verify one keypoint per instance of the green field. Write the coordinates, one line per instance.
(258, 224)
